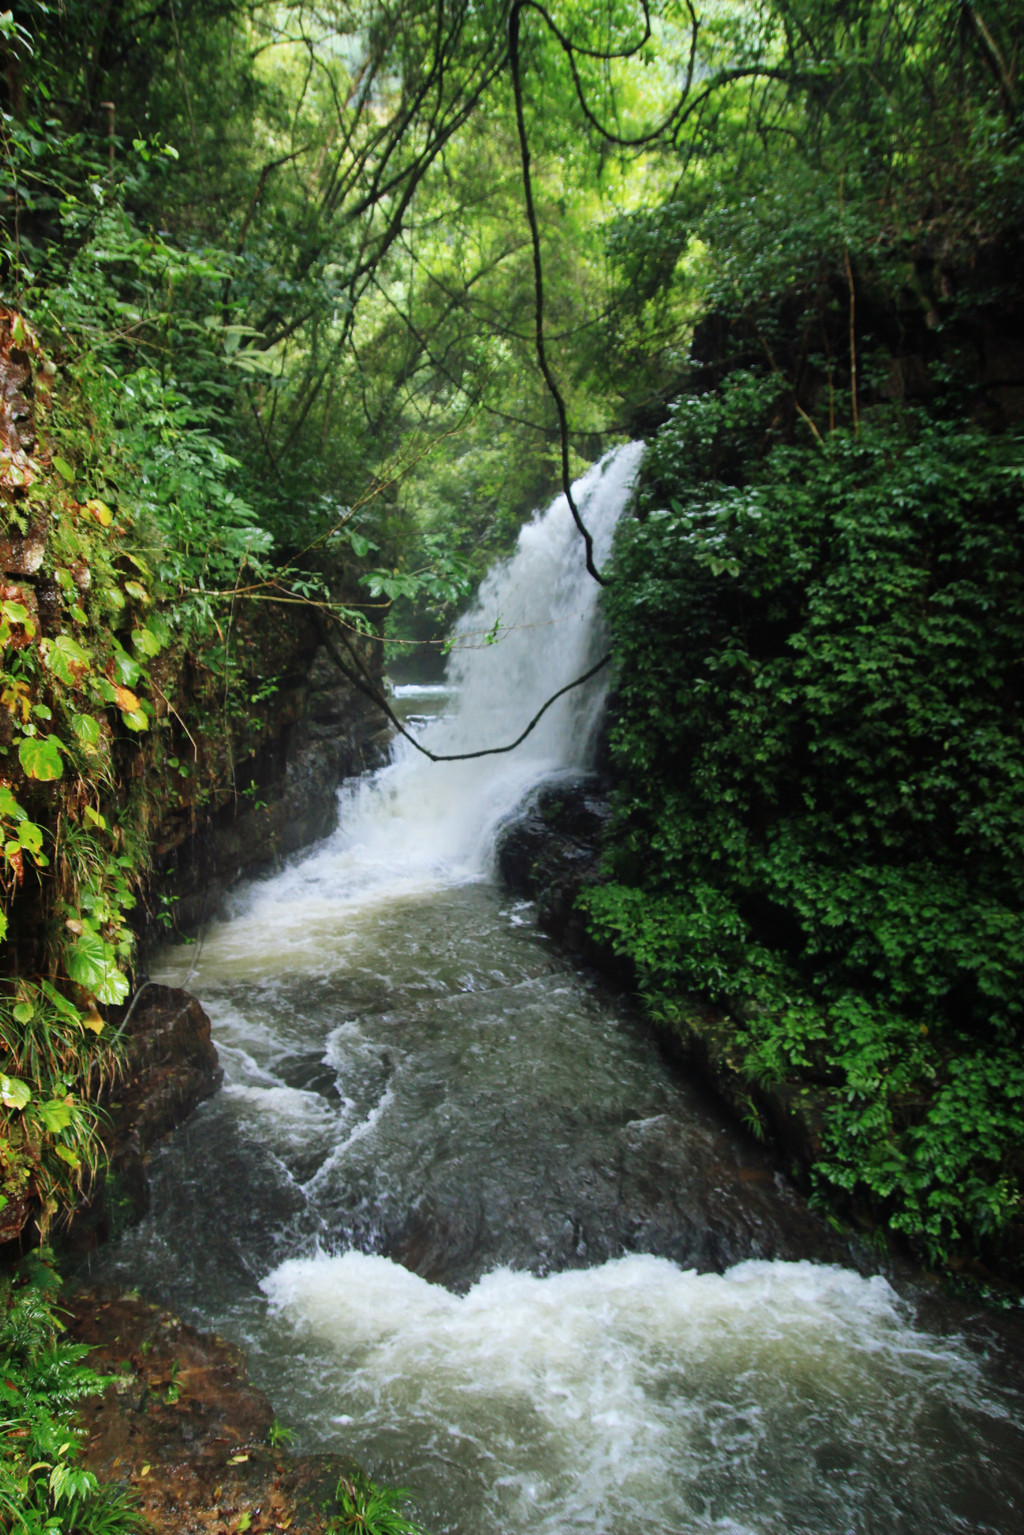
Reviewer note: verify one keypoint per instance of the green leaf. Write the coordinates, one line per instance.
(137, 590)
(115, 988)
(9, 805)
(94, 818)
(66, 659)
(146, 642)
(40, 757)
(13, 1093)
(31, 837)
(87, 730)
(88, 960)
(62, 467)
(91, 961)
(128, 670)
(55, 1114)
(66, 1009)
(135, 719)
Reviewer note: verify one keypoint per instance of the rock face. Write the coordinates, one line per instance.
(316, 730)
(182, 1427)
(550, 851)
(170, 1066)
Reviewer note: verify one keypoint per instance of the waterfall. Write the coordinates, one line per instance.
(536, 626)
(417, 824)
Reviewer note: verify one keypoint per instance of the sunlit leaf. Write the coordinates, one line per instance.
(40, 757)
(14, 1094)
(146, 642)
(101, 511)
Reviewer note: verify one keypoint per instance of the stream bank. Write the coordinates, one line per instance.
(181, 1424)
(550, 852)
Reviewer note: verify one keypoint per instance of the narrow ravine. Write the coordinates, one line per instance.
(469, 1225)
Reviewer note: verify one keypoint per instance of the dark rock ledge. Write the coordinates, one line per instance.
(170, 1065)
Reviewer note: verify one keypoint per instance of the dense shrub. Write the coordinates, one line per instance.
(822, 818)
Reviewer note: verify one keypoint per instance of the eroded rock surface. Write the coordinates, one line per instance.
(181, 1425)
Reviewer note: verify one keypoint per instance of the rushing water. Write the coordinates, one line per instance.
(472, 1229)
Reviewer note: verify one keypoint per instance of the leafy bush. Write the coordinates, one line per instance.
(822, 819)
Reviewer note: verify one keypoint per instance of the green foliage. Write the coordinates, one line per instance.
(366, 1509)
(822, 828)
(44, 1490)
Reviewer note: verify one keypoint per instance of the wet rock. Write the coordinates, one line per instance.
(550, 851)
(170, 1066)
(318, 730)
(182, 1427)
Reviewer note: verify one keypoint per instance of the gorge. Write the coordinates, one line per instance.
(468, 1224)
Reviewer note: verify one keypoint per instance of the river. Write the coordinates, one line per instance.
(471, 1228)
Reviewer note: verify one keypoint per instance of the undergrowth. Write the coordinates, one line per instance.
(823, 830)
(44, 1489)
(364, 1508)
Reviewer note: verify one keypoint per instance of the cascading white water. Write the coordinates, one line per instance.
(412, 1075)
(535, 627)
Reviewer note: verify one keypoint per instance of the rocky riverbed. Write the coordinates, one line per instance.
(180, 1424)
